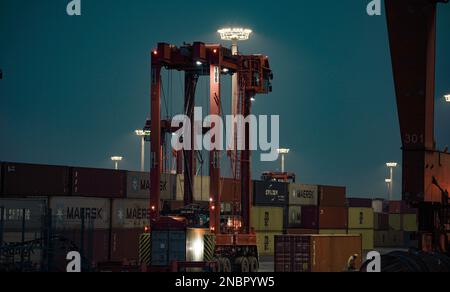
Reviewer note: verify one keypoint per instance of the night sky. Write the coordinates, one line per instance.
(75, 88)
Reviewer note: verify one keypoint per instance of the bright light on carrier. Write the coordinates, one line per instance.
(230, 34)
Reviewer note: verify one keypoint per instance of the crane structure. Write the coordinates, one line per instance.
(426, 170)
(254, 76)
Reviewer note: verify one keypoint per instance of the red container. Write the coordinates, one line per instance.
(359, 203)
(401, 207)
(333, 218)
(125, 245)
(102, 183)
(310, 217)
(332, 196)
(295, 231)
(34, 180)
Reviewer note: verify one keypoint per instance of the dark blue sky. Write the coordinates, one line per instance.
(75, 88)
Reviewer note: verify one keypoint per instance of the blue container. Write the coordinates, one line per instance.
(168, 247)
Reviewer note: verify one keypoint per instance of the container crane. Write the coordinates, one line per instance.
(426, 170)
(236, 248)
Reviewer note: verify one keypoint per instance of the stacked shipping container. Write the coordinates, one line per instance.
(361, 220)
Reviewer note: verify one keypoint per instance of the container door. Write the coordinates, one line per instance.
(160, 247)
(177, 247)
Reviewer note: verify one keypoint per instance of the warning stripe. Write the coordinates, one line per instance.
(145, 250)
(209, 247)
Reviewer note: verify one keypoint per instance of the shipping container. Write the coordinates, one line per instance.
(395, 222)
(381, 238)
(95, 243)
(316, 253)
(168, 246)
(270, 193)
(359, 203)
(411, 240)
(401, 207)
(294, 217)
(396, 238)
(377, 205)
(266, 242)
(297, 231)
(201, 188)
(360, 218)
(367, 236)
(230, 190)
(138, 186)
(12, 249)
(124, 245)
(409, 222)
(310, 217)
(381, 221)
(99, 183)
(333, 231)
(333, 218)
(331, 196)
(15, 210)
(69, 213)
(305, 195)
(267, 218)
(130, 214)
(34, 180)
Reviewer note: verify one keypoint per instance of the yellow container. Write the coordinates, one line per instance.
(367, 235)
(360, 218)
(332, 232)
(200, 188)
(395, 222)
(410, 223)
(266, 242)
(267, 218)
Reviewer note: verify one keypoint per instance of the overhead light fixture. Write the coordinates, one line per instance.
(392, 164)
(237, 33)
(447, 97)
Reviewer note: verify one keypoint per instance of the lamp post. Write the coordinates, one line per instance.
(391, 166)
(116, 160)
(283, 153)
(142, 134)
(388, 183)
(234, 35)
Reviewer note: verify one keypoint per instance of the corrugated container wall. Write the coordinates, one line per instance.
(381, 221)
(130, 214)
(305, 195)
(360, 218)
(68, 212)
(315, 253)
(333, 218)
(359, 203)
(331, 196)
(367, 236)
(409, 222)
(267, 218)
(34, 180)
(230, 190)
(395, 222)
(270, 193)
(138, 186)
(14, 211)
(102, 183)
(266, 242)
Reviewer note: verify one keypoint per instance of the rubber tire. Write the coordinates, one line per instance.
(225, 264)
(217, 266)
(253, 264)
(242, 265)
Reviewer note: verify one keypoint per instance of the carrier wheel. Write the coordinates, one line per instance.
(254, 264)
(242, 265)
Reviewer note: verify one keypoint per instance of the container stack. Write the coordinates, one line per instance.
(361, 220)
(402, 224)
(381, 222)
(270, 200)
(316, 210)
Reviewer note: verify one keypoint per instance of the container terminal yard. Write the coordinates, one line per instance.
(205, 208)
